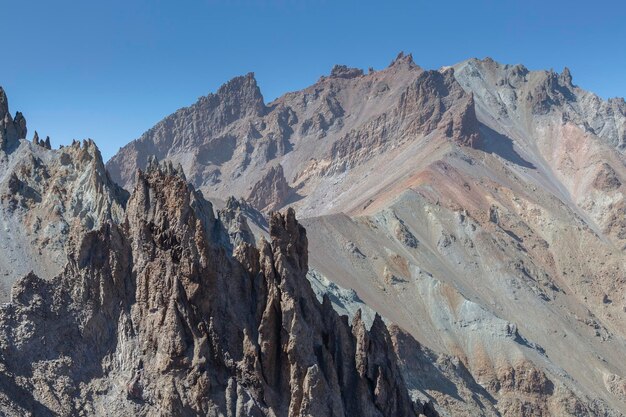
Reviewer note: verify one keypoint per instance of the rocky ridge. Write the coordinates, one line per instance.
(344, 120)
(141, 321)
(523, 97)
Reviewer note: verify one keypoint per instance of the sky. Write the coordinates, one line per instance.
(109, 70)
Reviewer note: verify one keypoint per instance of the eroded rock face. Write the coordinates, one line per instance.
(155, 317)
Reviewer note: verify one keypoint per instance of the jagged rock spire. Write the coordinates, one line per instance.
(11, 129)
(566, 77)
(240, 97)
(403, 59)
(165, 167)
(36, 138)
(245, 323)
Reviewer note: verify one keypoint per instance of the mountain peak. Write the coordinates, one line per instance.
(239, 83)
(566, 77)
(403, 59)
(343, 71)
(242, 97)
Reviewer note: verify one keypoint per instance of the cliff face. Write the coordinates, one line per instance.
(272, 191)
(154, 316)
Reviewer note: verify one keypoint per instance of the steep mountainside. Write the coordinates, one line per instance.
(157, 305)
(509, 256)
(46, 198)
(479, 207)
(568, 134)
(165, 314)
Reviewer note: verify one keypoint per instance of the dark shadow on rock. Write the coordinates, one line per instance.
(293, 198)
(23, 398)
(420, 372)
(501, 145)
(294, 195)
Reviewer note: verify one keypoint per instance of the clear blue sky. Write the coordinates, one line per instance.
(110, 69)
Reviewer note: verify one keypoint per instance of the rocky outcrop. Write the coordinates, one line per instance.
(12, 129)
(272, 191)
(427, 102)
(607, 179)
(43, 143)
(342, 71)
(155, 316)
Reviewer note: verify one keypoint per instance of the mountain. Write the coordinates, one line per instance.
(478, 207)
(459, 250)
(304, 139)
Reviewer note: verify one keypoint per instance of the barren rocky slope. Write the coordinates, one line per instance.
(480, 207)
(167, 313)
(509, 256)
